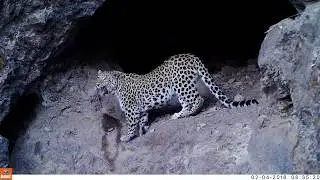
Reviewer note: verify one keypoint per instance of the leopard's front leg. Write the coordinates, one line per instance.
(142, 123)
(132, 121)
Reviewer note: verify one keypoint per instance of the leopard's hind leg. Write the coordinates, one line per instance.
(188, 96)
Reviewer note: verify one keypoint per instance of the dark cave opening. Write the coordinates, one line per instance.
(20, 116)
(138, 35)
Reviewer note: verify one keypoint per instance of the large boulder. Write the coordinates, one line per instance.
(31, 31)
(288, 138)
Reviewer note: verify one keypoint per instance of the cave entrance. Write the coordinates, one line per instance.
(20, 116)
(138, 35)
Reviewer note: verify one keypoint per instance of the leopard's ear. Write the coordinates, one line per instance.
(99, 72)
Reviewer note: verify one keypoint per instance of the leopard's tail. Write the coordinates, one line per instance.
(216, 91)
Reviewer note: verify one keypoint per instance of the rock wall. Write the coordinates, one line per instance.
(290, 60)
(31, 32)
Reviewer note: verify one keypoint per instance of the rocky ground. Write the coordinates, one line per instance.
(73, 132)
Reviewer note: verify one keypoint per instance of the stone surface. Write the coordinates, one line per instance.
(4, 152)
(289, 59)
(270, 147)
(300, 5)
(31, 32)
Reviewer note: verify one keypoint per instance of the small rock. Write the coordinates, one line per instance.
(213, 109)
(72, 88)
(238, 83)
(92, 92)
(47, 129)
(152, 130)
(238, 97)
(200, 126)
(231, 80)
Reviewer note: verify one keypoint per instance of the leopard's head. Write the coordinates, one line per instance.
(107, 82)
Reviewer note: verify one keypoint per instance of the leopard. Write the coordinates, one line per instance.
(177, 76)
